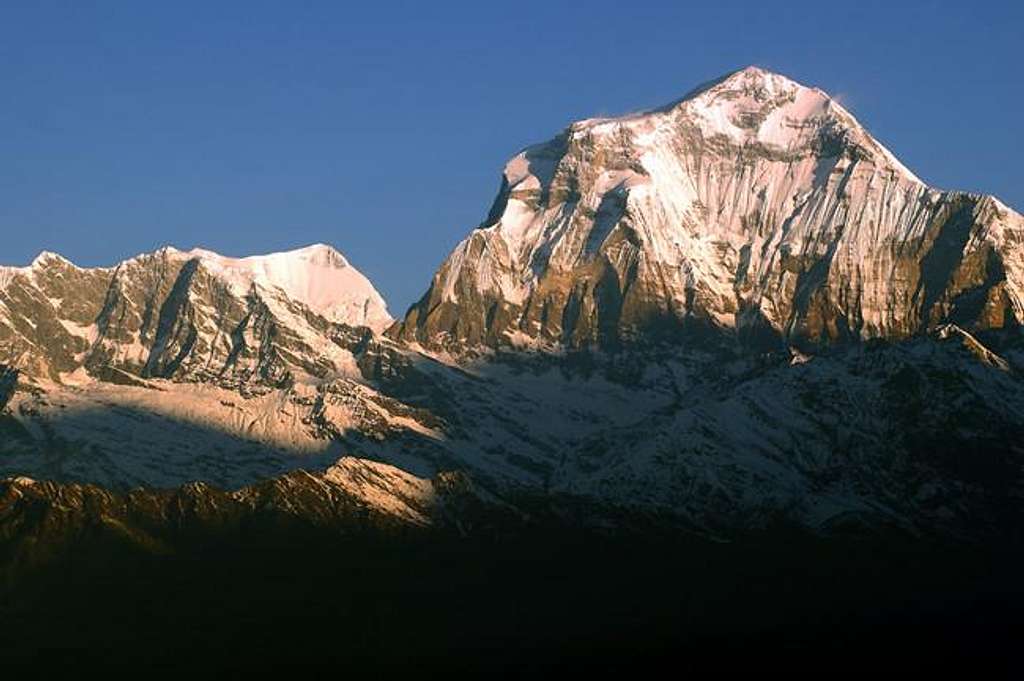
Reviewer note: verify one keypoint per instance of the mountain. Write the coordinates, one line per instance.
(733, 313)
(754, 208)
(712, 383)
(171, 313)
(147, 372)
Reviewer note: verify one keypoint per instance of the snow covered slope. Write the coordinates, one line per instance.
(317, 276)
(753, 207)
(923, 435)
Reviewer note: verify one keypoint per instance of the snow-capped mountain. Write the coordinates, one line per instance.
(754, 206)
(845, 345)
(170, 313)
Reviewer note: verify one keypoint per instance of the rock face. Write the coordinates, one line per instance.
(754, 207)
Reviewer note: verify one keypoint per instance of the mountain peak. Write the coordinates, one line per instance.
(318, 276)
(755, 70)
(45, 257)
(756, 75)
(315, 253)
(318, 254)
(752, 202)
(321, 254)
(754, 108)
(754, 105)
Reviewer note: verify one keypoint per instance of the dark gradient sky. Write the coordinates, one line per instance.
(381, 127)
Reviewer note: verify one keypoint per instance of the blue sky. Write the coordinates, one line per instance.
(382, 127)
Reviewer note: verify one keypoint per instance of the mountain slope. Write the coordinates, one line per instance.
(919, 435)
(753, 207)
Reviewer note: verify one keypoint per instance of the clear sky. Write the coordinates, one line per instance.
(381, 127)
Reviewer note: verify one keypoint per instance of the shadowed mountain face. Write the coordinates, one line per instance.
(735, 311)
(754, 208)
(305, 572)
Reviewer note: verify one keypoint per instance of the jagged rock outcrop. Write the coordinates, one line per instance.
(754, 207)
